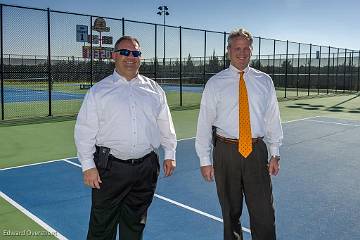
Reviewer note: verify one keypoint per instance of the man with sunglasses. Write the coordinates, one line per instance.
(122, 120)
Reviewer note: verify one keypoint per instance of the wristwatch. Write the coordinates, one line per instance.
(276, 157)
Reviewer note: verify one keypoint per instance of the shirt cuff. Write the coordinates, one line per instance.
(170, 155)
(205, 161)
(274, 150)
(88, 164)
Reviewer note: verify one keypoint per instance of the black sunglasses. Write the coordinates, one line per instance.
(126, 52)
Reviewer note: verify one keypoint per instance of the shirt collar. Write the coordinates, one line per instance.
(119, 78)
(237, 71)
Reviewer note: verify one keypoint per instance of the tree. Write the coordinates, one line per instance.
(189, 65)
(288, 64)
(214, 63)
(189, 62)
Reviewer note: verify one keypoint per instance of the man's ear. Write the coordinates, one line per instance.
(113, 55)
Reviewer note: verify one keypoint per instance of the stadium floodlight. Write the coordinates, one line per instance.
(163, 11)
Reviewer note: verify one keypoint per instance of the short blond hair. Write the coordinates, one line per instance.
(241, 32)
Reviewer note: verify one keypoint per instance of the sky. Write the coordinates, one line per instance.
(320, 22)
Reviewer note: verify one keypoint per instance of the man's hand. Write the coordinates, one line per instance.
(207, 172)
(274, 166)
(92, 178)
(169, 167)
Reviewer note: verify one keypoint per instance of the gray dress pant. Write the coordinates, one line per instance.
(237, 177)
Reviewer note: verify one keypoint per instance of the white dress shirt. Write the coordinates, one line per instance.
(132, 118)
(220, 108)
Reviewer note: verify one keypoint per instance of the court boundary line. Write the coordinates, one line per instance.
(301, 119)
(34, 164)
(295, 120)
(70, 162)
(33, 217)
(244, 229)
(178, 204)
(337, 123)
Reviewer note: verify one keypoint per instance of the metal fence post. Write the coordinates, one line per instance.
(259, 64)
(358, 82)
(328, 73)
(273, 70)
(155, 60)
(204, 67)
(333, 67)
(91, 53)
(351, 62)
(123, 26)
(309, 74)
(180, 67)
(318, 80)
(49, 60)
(224, 50)
(2, 62)
(344, 71)
(286, 66)
(337, 70)
(298, 72)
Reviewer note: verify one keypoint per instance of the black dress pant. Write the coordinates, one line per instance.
(235, 177)
(124, 196)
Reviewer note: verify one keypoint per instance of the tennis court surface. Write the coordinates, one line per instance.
(30, 95)
(13, 94)
(316, 193)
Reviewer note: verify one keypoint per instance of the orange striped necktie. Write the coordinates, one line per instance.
(245, 138)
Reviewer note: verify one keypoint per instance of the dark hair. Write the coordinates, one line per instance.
(123, 38)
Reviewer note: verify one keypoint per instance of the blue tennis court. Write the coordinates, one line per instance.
(316, 194)
(184, 88)
(30, 95)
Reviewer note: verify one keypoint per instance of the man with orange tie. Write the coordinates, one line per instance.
(239, 118)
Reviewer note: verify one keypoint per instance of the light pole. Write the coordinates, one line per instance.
(163, 11)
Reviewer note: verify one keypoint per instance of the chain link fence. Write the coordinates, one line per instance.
(46, 71)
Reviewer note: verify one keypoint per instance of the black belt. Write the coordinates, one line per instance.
(133, 161)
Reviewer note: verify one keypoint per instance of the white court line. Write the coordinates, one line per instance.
(301, 119)
(75, 164)
(30, 233)
(64, 159)
(195, 210)
(34, 164)
(295, 120)
(189, 208)
(337, 123)
(184, 139)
